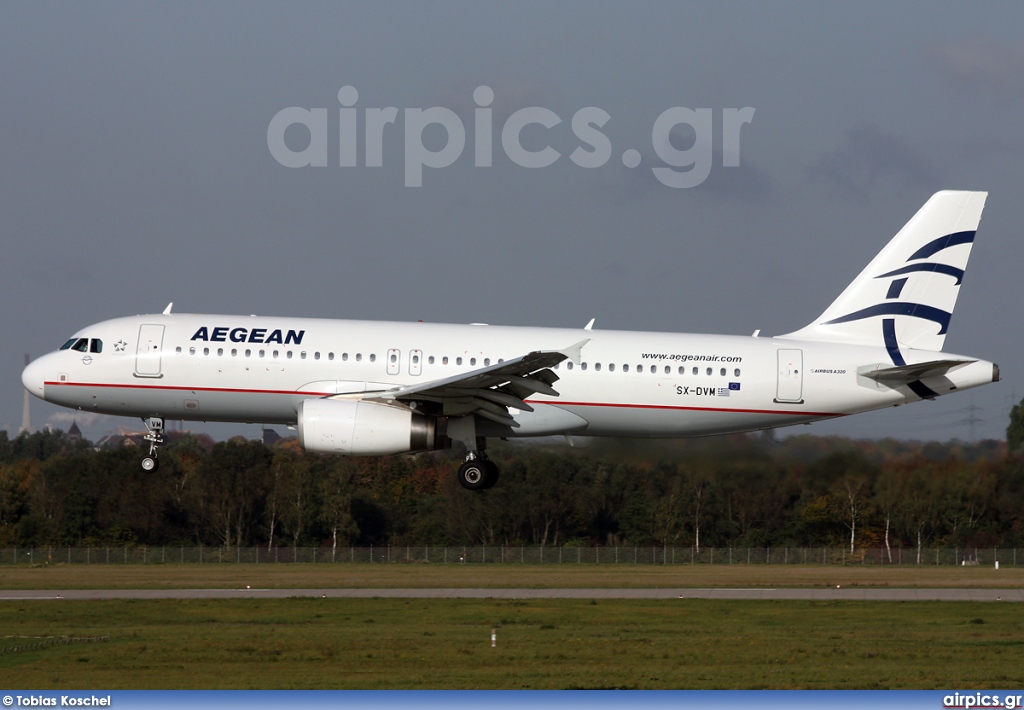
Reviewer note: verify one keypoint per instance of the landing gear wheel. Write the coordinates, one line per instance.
(478, 474)
(473, 475)
(154, 435)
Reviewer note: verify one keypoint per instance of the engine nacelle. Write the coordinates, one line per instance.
(352, 427)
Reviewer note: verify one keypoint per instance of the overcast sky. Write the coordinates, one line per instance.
(135, 169)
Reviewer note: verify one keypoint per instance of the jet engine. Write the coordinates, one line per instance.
(353, 427)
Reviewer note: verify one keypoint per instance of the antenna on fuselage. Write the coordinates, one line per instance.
(167, 311)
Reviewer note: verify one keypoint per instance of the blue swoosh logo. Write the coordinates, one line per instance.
(956, 273)
(950, 240)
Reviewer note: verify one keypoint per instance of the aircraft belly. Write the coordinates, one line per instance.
(670, 422)
(173, 403)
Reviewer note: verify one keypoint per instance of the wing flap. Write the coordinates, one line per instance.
(490, 391)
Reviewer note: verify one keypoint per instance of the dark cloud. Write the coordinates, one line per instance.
(869, 159)
(983, 67)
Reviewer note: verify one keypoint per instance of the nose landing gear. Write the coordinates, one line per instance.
(154, 435)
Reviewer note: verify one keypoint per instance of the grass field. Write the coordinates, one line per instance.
(326, 576)
(422, 644)
(385, 643)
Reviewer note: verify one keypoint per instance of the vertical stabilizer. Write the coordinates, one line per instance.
(905, 297)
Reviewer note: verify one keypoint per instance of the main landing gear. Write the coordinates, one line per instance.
(154, 435)
(478, 472)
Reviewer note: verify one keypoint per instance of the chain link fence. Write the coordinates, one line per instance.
(506, 554)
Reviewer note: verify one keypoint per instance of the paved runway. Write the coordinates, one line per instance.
(819, 594)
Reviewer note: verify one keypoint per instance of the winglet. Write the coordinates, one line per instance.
(167, 311)
(575, 352)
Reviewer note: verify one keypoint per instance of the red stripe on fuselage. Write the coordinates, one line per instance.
(559, 402)
(729, 410)
(186, 389)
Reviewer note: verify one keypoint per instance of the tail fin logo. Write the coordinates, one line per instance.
(894, 307)
(912, 283)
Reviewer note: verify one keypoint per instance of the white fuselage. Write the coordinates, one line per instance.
(259, 369)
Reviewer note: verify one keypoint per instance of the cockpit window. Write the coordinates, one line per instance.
(68, 344)
(95, 345)
(81, 345)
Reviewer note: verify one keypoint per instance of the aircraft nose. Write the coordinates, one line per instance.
(33, 376)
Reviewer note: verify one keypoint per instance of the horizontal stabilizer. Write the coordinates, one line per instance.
(911, 373)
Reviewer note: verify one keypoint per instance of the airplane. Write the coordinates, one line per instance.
(379, 388)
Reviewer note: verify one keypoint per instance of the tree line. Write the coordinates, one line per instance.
(739, 491)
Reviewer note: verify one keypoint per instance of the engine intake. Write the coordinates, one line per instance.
(357, 428)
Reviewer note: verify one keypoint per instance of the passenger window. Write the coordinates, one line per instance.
(178, 350)
(248, 353)
(95, 345)
(277, 353)
(568, 365)
(430, 360)
(640, 369)
(487, 361)
(710, 371)
(458, 361)
(263, 353)
(316, 355)
(234, 352)
(220, 352)
(415, 359)
(444, 360)
(597, 367)
(611, 367)
(192, 351)
(289, 355)
(359, 357)
(472, 361)
(373, 357)
(583, 366)
(723, 372)
(682, 370)
(695, 371)
(736, 372)
(344, 357)
(625, 368)
(394, 358)
(206, 351)
(302, 355)
(668, 370)
(654, 369)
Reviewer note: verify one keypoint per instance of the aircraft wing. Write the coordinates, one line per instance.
(920, 371)
(489, 391)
